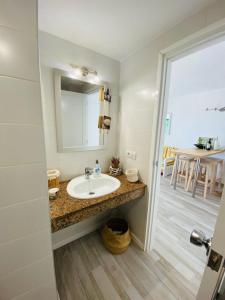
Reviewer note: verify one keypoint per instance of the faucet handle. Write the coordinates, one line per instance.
(88, 171)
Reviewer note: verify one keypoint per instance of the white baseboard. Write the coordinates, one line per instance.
(137, 241)
(78, 235)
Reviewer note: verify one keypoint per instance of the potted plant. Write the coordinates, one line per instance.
(114, 168)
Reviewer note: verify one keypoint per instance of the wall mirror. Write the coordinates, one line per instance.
(77, 114)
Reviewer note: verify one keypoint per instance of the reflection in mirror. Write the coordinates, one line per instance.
(77, 112)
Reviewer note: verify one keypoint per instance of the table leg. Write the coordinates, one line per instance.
(176, 164)
(213, 177)
(196, 173)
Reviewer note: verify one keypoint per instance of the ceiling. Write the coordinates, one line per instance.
(114, 28)
(199, 72)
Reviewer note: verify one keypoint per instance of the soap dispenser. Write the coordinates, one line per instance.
(97, 168)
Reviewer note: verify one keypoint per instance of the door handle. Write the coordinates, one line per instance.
(198, 238)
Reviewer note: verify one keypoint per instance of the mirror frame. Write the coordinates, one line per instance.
(60, 148)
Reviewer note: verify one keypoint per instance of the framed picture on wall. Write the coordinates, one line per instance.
(107, 95)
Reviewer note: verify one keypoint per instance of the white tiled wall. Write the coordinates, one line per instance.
(26, 262)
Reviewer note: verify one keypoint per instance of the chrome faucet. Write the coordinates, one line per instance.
(88, 172)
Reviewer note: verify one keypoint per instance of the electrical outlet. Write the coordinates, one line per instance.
(131, 154)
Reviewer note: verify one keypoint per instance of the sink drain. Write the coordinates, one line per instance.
(91, 193)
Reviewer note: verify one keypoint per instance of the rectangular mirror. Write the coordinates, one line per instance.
(77, 114)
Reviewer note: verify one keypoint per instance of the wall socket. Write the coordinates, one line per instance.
(131, 154)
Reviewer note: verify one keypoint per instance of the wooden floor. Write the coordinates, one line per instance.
(85, 270)
(178, 215)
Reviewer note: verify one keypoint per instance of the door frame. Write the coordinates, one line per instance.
(208, 35)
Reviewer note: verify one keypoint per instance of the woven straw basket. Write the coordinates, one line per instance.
(116, 235)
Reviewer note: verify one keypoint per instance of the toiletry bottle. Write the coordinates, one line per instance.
(216, 143)
(208, 145)
(97, 168)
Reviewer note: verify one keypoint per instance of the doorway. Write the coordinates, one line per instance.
(191, 112)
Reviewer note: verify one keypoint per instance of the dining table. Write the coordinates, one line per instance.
(197, 154)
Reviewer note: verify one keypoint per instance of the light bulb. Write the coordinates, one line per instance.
(97, 79)
(93, 78)
(77, 72)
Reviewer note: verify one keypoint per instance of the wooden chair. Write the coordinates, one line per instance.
(217, 172)
(184, 164)
(168, 159)
(207, 175)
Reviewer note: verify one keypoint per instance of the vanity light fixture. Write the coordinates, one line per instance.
(90, 74)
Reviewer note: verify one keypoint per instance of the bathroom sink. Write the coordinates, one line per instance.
(96, 186)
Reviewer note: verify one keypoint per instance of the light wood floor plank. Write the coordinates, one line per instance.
(161, 292)
(116, 273)
(104, 284)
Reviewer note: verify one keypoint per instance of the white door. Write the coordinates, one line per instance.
(211, 278)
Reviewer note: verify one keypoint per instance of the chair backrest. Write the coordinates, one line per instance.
(168, 151)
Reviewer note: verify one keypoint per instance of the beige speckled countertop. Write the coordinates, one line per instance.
(65, 210)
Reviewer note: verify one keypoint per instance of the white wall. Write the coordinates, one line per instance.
(191, 120)
(26, 262)
(138, 84)
(58, 53)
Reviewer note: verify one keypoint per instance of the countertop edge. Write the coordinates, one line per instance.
(61, 222)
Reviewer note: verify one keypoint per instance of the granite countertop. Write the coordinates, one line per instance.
(65, 210)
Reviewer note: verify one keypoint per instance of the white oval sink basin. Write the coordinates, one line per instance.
(96, 186)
